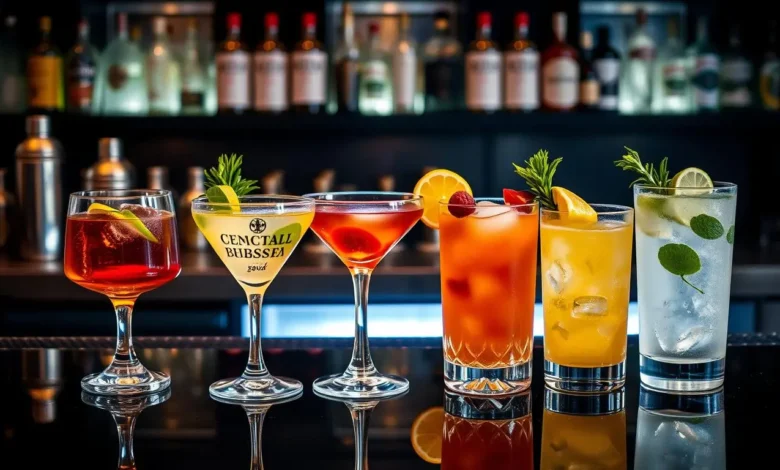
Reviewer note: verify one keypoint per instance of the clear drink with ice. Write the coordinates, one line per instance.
(684, 242)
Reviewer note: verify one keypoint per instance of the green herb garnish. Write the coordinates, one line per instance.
(707, 227)
(730, 235)
(680, 260)
(538, 174)
(228, 173)
(648, 174)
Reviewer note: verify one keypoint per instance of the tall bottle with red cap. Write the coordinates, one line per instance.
(309, 70)
(270, 65)
(483, 69)
(560, 70)
(233, 70)
(521, 69)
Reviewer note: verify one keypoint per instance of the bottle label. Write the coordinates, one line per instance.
(404, 80)
(81, 79)
(160, 75)
(769, 85)
(233, 80)
(11, 87)
(374, 78)
(309, 75)
(521, 80)
(589, 93)
(608, 72)
(735, 78)
(674, 79)
(483, 80)
(44, 82)
(561, 81)
(192, 99)
(271, 81)
(705, 81)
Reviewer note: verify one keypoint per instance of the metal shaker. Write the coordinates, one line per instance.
(112, 170)
(39, 189)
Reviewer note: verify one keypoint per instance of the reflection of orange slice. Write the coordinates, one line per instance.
(438, 186)
(426, 434)
(771, 101)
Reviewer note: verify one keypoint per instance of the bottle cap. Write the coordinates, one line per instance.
(586, 40)
(233, 20)
(195, 177)
(160, 25)
(522, 19)
(271, 19)
(483, 19)
(373, 28)
(121, 21)
(37, 125)
(10, 21)
(641, 16)
(45, 23)
(83, 26)
(309, 19)
(109, 148)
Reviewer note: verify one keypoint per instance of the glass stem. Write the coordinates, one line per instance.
(255, 367)
(125, 426)
(361, 364)
(125, 354)
(360, 417)
(256, 418)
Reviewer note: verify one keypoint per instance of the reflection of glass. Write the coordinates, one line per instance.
(125, 411)
(122, 244)
(584, 431)
(487, 433)
(254, 239)
(361, 228)
(42, 376)
(488, 272)
(684, 243)
(586, 275)
(676, 432)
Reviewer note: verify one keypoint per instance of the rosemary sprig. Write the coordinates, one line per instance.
(538, 174)
(648, 174)
(228, 172)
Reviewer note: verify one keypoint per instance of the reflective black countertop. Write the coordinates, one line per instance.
(45, 422)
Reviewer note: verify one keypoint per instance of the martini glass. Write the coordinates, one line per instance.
(361, 228)
(254, 239)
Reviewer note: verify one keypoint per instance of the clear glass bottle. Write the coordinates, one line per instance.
(589, 81)
(637, 71)
(443, 59)
(44, 73)
(12, 83)
(705, 66)
(521, 69)
(270, 70)
(736, 75)
(81, 70)
(560, 70)
(121, 82)
(233, 68)
(606, 63)
(769, 80)
(376, 91)
(405, 66)
(164, 94)
(671, 81)
(193, 75)
(347, 63)
(483, 69)
(309, 70)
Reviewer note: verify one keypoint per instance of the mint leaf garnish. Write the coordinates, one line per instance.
(707, 227)
(730, 235)
(680, 260)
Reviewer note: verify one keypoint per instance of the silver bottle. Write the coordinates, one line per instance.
(39, 188)
(112, 170)
(190, 234)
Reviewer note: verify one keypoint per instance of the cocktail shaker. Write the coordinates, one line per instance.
(39, 188)
(112, 170)
(190, 233)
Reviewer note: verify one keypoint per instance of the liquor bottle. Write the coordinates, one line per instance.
(164, 94)
(193, 75)
(606, 62)
(81, 71)
(44, 73)
(736, 75)
(376, 93)
(637, 70)
(270, 63)
(671, 82)
(483, 69)
(121, 85)
(521, 69)
(404, 70)
(309, 70)
(706, 64)
(233, 70)
(589, 81)
(347, 62)
(769, 81)
(560, 70)
(12, 89)
(442, 55)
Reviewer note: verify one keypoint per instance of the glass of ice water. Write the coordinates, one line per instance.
(684, 244)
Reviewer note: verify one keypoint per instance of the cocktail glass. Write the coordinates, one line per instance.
(684, 245)
(122, 244)
(487, 433)
(360, 228)
(680, 431)
(488, 289)
(254, 239)
(586, 274)
(584, 431)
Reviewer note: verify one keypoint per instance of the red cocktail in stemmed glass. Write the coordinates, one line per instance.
(361, 228)
(122, 244)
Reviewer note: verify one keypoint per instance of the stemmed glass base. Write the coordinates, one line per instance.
(246, 389)
(125, 380)
(349, 386)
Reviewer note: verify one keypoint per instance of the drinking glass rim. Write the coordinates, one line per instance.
(491, 199)
(270, 200)
(715, 185)
(617, 209)
(400, 197)
(119, 194)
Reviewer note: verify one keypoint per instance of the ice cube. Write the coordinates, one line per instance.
(116, 234)
(589, 306)
(691, 432)
(487, 209)
(558, 276)
(691, 338)
(561, 330)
